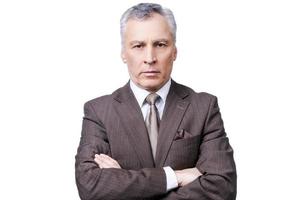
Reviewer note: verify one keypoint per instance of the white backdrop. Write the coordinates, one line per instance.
(55, 55)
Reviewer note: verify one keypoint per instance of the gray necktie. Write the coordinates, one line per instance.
(152, 121)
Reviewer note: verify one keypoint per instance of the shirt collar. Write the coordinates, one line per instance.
(140, 94)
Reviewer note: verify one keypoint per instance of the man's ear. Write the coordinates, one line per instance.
(123, 56)
(175, 54)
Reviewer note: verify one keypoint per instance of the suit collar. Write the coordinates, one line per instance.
(124, 93)
(140, 94)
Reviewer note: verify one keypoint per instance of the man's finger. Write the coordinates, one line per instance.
(105, 161)
(98, 161)
(110, 161)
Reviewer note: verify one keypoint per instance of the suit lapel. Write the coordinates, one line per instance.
(175, 107)
(133, 123)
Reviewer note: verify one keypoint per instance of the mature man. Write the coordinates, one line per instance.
(153, 138)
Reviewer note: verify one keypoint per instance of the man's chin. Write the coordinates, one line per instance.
(152, 85)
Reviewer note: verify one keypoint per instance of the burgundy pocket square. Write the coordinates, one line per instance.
(182, 134)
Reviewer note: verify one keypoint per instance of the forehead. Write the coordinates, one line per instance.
(152, 28)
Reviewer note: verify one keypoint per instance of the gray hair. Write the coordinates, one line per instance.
(144, 11)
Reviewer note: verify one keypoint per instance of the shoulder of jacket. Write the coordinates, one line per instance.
(100, 100)
(198, 95)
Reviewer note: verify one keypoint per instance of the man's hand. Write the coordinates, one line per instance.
(104, 161)
(186, 176)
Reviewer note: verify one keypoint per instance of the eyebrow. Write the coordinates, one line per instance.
(155, 41)
(136, 42)
(162, 40)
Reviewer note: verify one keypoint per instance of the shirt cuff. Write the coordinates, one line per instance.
(171, 178)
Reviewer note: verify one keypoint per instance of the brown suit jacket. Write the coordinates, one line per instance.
(191, 134)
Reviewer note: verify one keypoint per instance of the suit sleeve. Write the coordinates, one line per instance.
(94, 183)
(215, 162)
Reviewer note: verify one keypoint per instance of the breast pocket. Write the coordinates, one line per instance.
(184, 153)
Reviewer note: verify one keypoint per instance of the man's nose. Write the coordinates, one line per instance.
(150, 57)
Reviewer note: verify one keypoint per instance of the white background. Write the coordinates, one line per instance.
(55, 55)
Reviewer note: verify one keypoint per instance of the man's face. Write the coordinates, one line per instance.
(149, 52)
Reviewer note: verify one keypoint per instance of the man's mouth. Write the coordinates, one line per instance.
(150, 73)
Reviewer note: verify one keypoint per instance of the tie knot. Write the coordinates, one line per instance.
(152, 98)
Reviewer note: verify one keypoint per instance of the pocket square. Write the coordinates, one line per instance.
(182, 134)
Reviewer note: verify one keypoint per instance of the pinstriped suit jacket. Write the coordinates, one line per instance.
(191, 134)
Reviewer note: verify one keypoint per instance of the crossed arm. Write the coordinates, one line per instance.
(184, 176)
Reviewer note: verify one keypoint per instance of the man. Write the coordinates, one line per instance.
(153, 138)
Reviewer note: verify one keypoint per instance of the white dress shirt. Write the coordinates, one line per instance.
(140, 95)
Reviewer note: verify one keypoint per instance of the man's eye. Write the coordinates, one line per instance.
(138, 46)
(161, 44)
